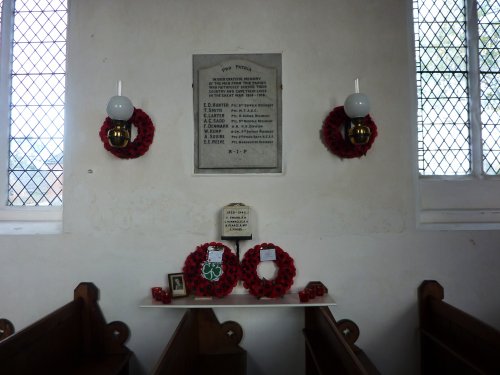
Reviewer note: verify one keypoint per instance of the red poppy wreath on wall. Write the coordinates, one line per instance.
(338, 143)
(117, 130)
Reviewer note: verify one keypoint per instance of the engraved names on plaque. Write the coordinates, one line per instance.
(237, 113)
(236, 222)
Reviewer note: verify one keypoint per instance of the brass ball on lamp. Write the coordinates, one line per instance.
(356, 107)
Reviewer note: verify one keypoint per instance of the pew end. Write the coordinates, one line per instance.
(74, 339)
(6, 328)
(202, 345)
(330, 345)
(452, 341)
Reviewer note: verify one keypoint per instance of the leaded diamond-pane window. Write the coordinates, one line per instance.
(37, 103)
(458, 80)
(442, 84)
(489, 77)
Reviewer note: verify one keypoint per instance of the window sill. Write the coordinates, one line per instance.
(459, 219)
(30, 227)
(458, 204)
(31, 220)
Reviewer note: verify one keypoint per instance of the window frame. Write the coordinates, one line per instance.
(455, 202)
(17, 219)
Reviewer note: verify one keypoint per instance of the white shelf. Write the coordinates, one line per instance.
(238, 300)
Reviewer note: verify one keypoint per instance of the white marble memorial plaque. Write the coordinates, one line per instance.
(237, 114)
(236, 221)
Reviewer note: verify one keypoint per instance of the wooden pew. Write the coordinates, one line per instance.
(6, 328)
(74, 339)
(202, 345)
(330, 345)
(452, 341)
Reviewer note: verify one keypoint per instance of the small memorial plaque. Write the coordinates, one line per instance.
(236, 222)
(237, 113)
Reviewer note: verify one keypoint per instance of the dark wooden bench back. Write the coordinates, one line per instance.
(202, 345)
(73, 338)
(452, 341)
(330, 345)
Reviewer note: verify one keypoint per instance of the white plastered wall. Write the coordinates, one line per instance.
(348, 223)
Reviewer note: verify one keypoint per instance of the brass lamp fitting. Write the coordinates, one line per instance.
(119, 135)
(359, 133)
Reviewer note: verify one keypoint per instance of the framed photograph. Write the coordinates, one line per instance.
(177, 285)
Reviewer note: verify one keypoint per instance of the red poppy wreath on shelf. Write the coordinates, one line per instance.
(211, 270)
(337, 142)
(261, 287)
